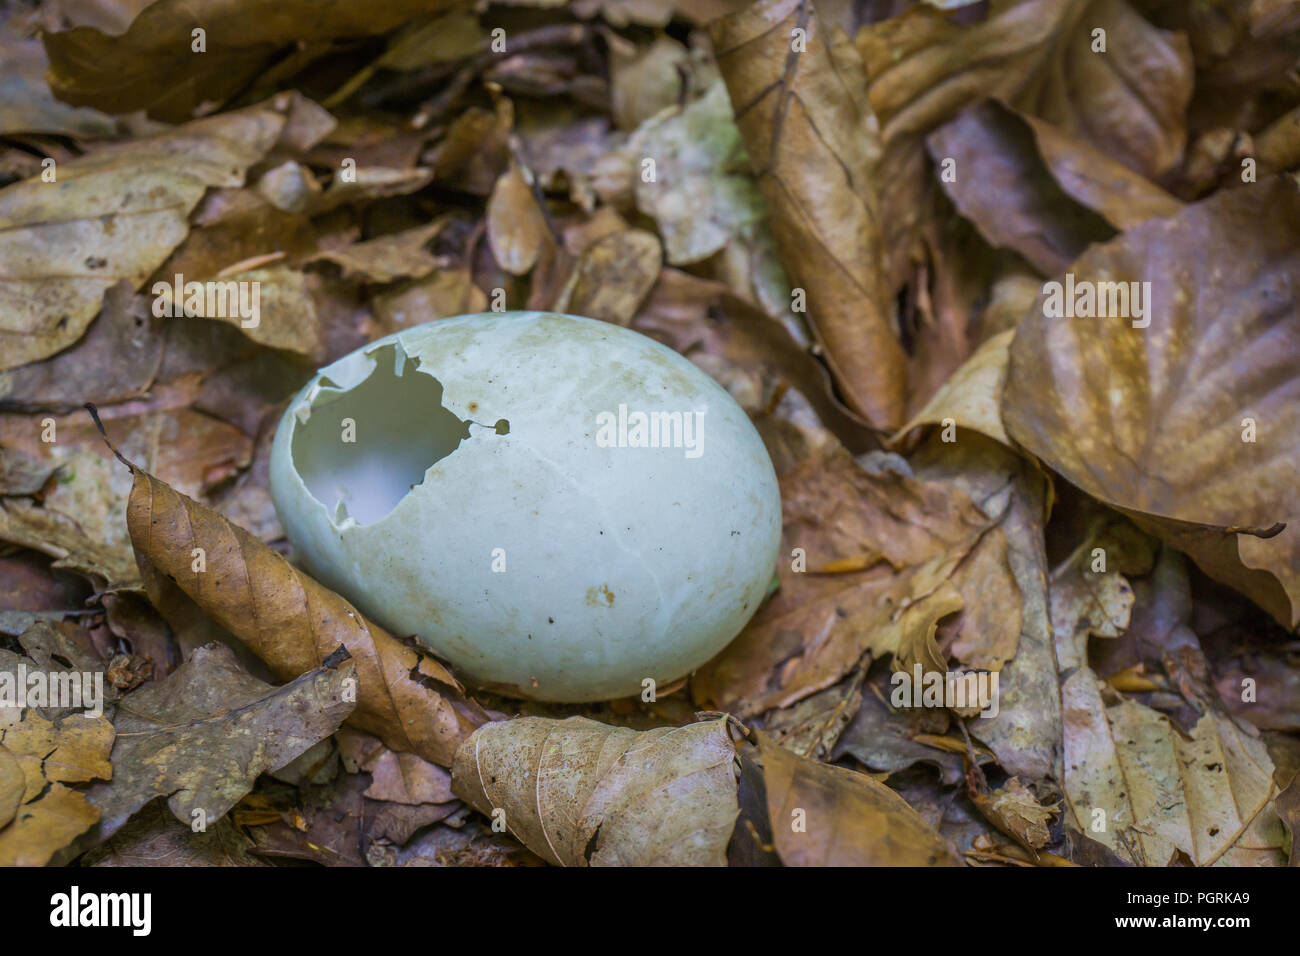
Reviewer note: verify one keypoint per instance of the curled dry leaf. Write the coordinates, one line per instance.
(114, 214)
(1086, 603)
(812, 138)
(1001, 184)
(578, 792)
(1205, 395)
(972, 396)
(290, 621)
(1026, 731)
(1038, 55)
(1106, 186)
(823, 815)
(1014, 810)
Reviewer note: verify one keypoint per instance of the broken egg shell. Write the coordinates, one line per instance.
(473, 506)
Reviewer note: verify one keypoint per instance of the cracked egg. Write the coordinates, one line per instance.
(559, 507)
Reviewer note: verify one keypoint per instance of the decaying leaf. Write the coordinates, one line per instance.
(1145, 790)
(578, 792)
(154, 837)
(877, 560)
(1199, 389)
(115, 214)
(972, 396)
(1000, 183)
(516, 224)
(812, 139)
(202, 736)
(1015, 811)
(154, 65)
(37, 757)
(827, 816)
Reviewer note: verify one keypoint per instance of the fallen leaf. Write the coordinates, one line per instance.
(1014, 810)
(153, 66)
(578, 792)
(154, 837)
(613, 276)
(828, 816)
(113, 214)
(516, 224)
(12, 786)
(202, 736)
(1108, 404)
(1000, 183)
(1145, 790)
(871, 554)
(813, 142)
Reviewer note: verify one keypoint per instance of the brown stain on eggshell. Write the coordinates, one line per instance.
(596, 596)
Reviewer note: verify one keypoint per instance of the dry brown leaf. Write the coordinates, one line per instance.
(1001, 184)
(1288, 808)
(45, 826)
(644, 79)
(613, 276)
(26, 103)
(401, 255)
(154, 837)
(1026, 732)
(516, 224)
(202, 736)
(578, 792)
(290, 621)
(12, 785)
(1106, 186)
(116, 360)
(1086, 603)
(972, 396)
(82, 519)
(813, 141)
(1014, 810)
(395, 777)
(1110, 405)
(1145, 790)
(1038, 55)
(46, 754)
(153, 64)
(884, 559)
(828, 816)
(113, 214)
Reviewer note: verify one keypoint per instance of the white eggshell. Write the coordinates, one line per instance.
(555, 560)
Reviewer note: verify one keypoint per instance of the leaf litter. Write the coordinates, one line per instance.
(863, 221)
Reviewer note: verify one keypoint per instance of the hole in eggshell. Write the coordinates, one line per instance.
(400, 430)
